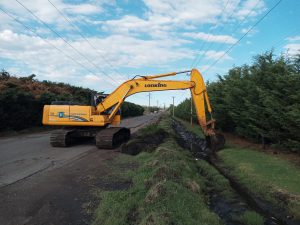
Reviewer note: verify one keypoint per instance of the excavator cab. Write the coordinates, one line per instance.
(97, 98)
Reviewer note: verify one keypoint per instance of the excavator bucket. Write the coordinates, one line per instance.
(215, 142)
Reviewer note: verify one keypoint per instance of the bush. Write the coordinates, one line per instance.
(19, 110)
(129, 109)
(22, 100)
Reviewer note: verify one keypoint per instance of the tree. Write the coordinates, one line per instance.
(259, 101)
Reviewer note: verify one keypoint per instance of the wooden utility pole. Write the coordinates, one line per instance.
(149, 102)
(191, 111)
(173, 105)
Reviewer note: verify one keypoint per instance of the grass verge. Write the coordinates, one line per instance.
(166, 189)
(270, 178)
(218, 185)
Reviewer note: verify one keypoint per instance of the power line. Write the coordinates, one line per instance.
(211, 43)
(83, 36)
(249, 30)
(281, 42)
(48, 42)
(206, 40)
(57, 34)
(240, 23)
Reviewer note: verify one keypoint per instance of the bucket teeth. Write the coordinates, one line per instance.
(216, 142)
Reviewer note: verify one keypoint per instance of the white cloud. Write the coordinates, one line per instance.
(182, 11)
(251, 33)
(45, 11)
(294, 38)
(216, 55)
(83, 9)
(167, 18)
(211, 37)
(131, 23)
(152, 40)
(293, 48)
(250, 8)
(122, 51)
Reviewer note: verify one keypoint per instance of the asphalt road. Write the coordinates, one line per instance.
(24, 155)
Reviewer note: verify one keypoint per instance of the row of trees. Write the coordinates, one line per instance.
(130, 109)
(259, 101)
(22, 100)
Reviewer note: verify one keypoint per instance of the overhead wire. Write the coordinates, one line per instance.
(205, 41)
(48, 42)
(62, 38)
(220, 31)
(239, 24)
(281, 42)
(248, 31)
(84, 37)
(90, 44)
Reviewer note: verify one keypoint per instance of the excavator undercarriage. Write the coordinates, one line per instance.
(105, 138)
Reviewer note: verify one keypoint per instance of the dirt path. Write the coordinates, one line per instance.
(63, 195)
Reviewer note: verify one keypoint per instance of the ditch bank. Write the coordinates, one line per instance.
(166, 188)
(236, 201)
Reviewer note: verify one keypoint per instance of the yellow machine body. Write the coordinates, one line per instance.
(75, 115)
(106, 112)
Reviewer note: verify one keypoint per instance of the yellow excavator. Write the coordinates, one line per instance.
(94, 120)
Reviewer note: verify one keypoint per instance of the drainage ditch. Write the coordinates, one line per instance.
(231, 209)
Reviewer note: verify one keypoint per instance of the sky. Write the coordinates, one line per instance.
(101, 43)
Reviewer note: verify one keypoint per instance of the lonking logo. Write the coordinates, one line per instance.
(156, 85)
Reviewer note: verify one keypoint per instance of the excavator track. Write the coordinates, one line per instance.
(112, 137)
(61, 138)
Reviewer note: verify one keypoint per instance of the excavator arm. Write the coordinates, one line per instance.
(150, 83)
(90, 121)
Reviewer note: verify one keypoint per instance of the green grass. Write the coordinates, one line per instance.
(273, 179)
(149, 130)
(266, 176)
(279, 173)
(220, 184)
(252, 218)
(166, 190)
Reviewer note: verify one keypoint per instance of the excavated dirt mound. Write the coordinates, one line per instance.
(146, 142)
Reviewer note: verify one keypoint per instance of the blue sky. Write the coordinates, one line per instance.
(111, 41)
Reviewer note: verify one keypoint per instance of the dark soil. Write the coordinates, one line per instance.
(62, 196)
(144, 143)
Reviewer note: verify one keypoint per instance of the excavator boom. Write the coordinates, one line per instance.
(106, 111)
